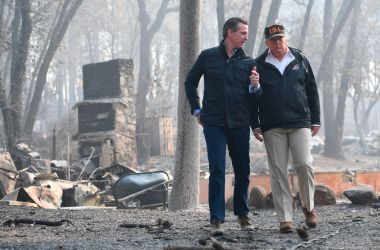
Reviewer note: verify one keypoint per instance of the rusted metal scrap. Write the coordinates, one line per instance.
(49, 196)
(8, 174)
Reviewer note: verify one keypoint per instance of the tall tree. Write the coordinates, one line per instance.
(147, 32)
(305, 25)
(253, 22)
(366, 93)
(328, 86)
(271, 19)
(185, 193)
(348, 70)
(220, 16)
(21, 32)
(331, 147)
(341, 19)
(67, 12)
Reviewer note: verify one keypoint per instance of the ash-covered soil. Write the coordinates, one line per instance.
(341, 227)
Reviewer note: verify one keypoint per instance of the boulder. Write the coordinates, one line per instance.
(324, 195)
(230, 204)
(257, 197)
(361, 194)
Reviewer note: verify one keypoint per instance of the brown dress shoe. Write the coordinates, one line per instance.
(286, 227)
(311, 218)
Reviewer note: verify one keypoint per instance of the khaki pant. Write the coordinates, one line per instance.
(277, 143)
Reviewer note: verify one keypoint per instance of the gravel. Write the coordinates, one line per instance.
(342, 226)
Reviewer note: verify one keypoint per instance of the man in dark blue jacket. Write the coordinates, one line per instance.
(285, 114)
(226, 116)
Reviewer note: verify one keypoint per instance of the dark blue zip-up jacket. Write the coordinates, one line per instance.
(226, 98)
(290, 100)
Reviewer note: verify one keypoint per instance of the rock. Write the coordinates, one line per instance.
(362, 194)
(269, 200)
(324, 195)
(257, 197)
(230, 204)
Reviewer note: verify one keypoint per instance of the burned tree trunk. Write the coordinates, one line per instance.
(253, 22)
(305, 25)
(271, 19)
(220, 15)
(67, 13)
(185, 192)
(349, 67)
(20, 46)
(325, 75)
(146, 36)
(328, 84)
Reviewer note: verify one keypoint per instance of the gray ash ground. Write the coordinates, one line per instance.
(342, 226)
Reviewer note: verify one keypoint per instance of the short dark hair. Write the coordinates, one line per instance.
(233, 24)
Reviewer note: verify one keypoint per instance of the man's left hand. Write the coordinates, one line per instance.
(314, 130)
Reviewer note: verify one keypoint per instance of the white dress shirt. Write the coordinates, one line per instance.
(288, 58)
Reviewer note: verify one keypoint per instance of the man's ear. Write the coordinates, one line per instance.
(229, 31)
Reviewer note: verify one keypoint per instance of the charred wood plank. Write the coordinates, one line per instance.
(36, 222)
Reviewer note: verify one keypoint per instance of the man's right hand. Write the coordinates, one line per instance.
(258, 135)
(255, 77)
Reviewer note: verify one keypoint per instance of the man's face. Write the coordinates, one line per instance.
(278, 46)
(239, 37)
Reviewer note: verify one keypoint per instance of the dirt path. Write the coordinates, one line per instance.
(341, 227)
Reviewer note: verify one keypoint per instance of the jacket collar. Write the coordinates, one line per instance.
(239, 53)
(296, 52)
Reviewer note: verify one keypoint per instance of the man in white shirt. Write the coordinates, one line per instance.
(286, 116)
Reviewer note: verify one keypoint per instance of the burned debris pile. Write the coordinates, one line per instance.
(106, 149)
(43, 183)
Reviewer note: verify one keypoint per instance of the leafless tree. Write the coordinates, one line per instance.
(220, 16)
(332, 149)
(67, 12)
(21, 29)
(271, 19)
(346, 78)
(147, 32)
(185, 192)
(305, 25)
(253, 22)
(366, 91)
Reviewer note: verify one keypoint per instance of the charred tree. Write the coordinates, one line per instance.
(325, 75)
(343, 15)
(366, 93)
(253, 22)
(67, 12)
(220, 16)
(21, 32)
(145, 75)
(271, 19)
(348, 70)
(328, 84)
(185, 193)
(305, 25)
